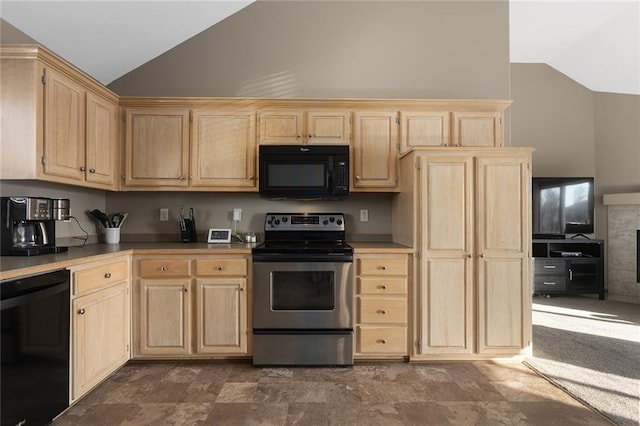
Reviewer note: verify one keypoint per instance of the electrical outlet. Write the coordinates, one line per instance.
(237, 215)
(164, 215)
(364, 215)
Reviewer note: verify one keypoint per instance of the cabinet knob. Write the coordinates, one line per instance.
(182, 178)
(468, 255)
(92, 170)
(241, 288)
(383, 311)
(82, 169)
(384, 268)
(163, 268)
(251, 177)
(357, 177)
(298, 136)
(185, 289)
(383, 286)
(220, 268)
(107, 275)
(482, 255)
(310, 135)
(81, 311)
(382, 341)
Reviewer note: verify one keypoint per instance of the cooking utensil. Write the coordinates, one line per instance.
(183, 226)
(124, 217)
(101, 217)
(115, 220)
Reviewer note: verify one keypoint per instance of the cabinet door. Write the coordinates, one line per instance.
(223, 153)
(281, 127)
(446, 299)
(503, 241)
(164, 317)
(328, 127)
(64, 137)
(424, 128)
(102, 140)
(221, 314)
(477, 129)
(100, 335)
(375, 141)
(157, 147)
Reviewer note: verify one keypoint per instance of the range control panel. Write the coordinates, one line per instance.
(304, 222)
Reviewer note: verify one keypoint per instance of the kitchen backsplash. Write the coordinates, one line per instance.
(212, 210)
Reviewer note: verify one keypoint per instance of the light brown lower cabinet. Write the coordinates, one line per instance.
(190, 307)
(100, 323)
(469, 218)
(381, 306)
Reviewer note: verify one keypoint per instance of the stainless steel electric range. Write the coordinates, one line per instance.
(303, 291)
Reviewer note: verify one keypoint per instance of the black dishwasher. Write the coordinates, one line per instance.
(34, 358)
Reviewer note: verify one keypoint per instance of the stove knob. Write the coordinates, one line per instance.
(326, 222)
(277, 222)
(284, 219)
(339, 222)
(332, 219)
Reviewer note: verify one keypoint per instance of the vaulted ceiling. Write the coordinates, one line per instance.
(597, 43)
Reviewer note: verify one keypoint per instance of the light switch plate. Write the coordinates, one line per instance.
(364, 215)
(164, 215)
(237, 215)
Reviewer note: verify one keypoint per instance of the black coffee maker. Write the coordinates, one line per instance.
(28, 226)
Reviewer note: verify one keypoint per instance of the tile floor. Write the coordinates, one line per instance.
(236, 393)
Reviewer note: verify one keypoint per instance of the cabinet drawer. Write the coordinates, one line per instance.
(382, 285)
(547, 283)
(100, 276)
(221, 267)
(549, 266)
(382, 340)
(382, 266)
(154, 268)
(383, 311)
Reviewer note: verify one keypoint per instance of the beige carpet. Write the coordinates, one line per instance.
(591, 348)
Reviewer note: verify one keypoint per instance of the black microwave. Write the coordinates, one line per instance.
(303, 171)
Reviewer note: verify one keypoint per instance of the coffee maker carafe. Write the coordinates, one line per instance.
(28, 226)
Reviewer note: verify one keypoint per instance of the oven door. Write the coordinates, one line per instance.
(302, 295)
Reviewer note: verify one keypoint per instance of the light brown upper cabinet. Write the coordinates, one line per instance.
(424, 128)
(300, 126)
(58, 124)
(375, 151)
(157, 147)
(477, 128)
(467, 128)
(223, 149)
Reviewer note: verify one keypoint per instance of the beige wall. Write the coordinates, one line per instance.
(554, 114)
(577, 132)
(390, 49)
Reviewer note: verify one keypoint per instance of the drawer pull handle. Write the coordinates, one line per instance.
(549, 266)
(107, 275)
(549, 283)
(382, 341)
(220, 268)
(163, 268)
(81, 311)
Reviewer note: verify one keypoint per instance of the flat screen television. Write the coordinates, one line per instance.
(561, 206)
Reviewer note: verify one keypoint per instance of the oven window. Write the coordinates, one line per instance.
(297, 175)
(302, 290)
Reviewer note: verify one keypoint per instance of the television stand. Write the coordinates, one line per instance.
(568, 267)
(574, 237)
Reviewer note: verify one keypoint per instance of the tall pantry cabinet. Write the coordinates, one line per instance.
(469, 219)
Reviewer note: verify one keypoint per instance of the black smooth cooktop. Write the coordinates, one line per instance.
(307, 246)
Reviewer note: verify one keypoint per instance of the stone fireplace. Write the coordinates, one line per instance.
(623, 218)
